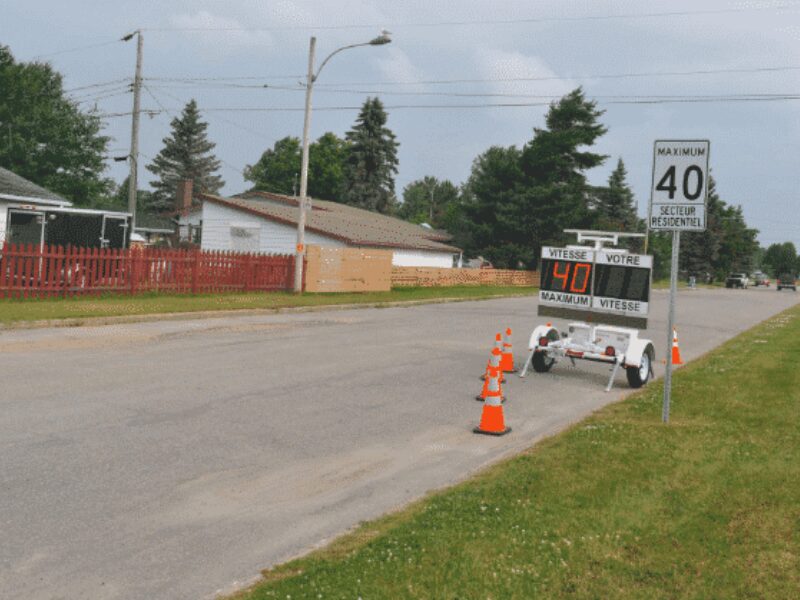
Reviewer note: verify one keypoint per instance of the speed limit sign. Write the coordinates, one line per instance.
(680, 185)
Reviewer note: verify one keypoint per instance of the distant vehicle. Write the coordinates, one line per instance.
(737, 280)
(760, 278)
(787, 281)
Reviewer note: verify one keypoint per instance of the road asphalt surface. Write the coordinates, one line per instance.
(178, 459)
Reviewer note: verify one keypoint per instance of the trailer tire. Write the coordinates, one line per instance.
(638, 376)
(541, 362)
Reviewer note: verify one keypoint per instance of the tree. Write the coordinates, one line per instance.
(327, 158)
(491, 186)
(45, 137)
(615, 206)
(429, 200)
(278, 169)
(781, 258)
(699, 252)
(726, 245)
(523, 200)
(371, 161)
(186, 155)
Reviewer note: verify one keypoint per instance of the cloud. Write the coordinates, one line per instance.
(395, 65)
(237, 37)
(505, 69)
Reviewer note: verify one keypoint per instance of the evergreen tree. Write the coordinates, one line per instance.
(371, 161)
(523, 200)
(490, 190)
(725, 246)
(699, 255)
(615, 206)
(186, 155)
(45, 137)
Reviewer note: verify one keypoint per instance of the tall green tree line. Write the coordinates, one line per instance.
(45, 137)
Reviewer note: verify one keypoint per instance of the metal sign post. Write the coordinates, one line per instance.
(673, 291)
(678, 202)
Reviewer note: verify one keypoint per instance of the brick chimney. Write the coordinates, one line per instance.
(183, 197)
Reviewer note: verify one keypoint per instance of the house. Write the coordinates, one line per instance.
(267, 223)
(153, 229)
(30, 214)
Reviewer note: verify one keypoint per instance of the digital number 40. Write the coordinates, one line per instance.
(584, 269)
(667, 183)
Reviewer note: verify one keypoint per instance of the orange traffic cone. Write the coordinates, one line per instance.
(492, 370)
(492, 421)
(507, 360)
(498, 344)
(676, 351)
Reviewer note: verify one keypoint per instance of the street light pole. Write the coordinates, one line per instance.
(303, 202)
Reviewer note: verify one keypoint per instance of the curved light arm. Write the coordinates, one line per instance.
(378, 41)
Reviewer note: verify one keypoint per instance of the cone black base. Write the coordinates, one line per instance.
(494, 433)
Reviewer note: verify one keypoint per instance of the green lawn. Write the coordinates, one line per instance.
(112, 306)
(617, 506)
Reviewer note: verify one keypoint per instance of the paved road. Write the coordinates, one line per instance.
(177, 459)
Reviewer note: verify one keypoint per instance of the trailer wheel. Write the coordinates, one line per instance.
(541, 362)
(638, 376)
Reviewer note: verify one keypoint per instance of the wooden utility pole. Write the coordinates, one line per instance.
(134, 157)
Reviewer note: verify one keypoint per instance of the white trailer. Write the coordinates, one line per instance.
(595, 283)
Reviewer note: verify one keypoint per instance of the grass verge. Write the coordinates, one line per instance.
(146, 304)
(617, 506)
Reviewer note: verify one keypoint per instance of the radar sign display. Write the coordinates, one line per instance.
(588, 284)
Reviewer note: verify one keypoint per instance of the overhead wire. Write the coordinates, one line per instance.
(469, 22)
(635, 101)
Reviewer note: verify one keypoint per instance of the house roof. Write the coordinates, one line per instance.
(354, 226)
(12, 184)
(154, 223)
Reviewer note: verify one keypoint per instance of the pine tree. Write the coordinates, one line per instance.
(523, 200)
(615, 206)
(186, 155)
(371, 161)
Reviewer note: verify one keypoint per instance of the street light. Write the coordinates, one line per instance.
(381, 40)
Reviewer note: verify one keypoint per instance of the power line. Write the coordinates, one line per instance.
(635, 101)
(174, 115)
(516, 21)
(569, 78)
(260, 136)
(75, 49)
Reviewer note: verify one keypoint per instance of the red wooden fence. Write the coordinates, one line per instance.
(32, 271)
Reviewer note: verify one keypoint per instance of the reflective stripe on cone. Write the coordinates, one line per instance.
(492, 370)
(507, 360)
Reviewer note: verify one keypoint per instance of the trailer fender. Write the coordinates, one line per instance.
(637, 347)
(541, 331)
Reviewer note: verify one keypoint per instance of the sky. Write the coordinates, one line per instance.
(458, 78)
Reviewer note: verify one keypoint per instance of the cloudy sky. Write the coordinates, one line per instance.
(459, 77)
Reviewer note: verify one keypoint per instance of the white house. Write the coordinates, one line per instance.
(267, 223)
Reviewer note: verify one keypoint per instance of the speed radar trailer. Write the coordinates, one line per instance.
(595, 283)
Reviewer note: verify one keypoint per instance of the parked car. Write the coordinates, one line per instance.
(737, 280)
(787, 281)
(760, 278)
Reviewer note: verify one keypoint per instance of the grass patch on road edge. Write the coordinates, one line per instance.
(617, 506)
(147, 304)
